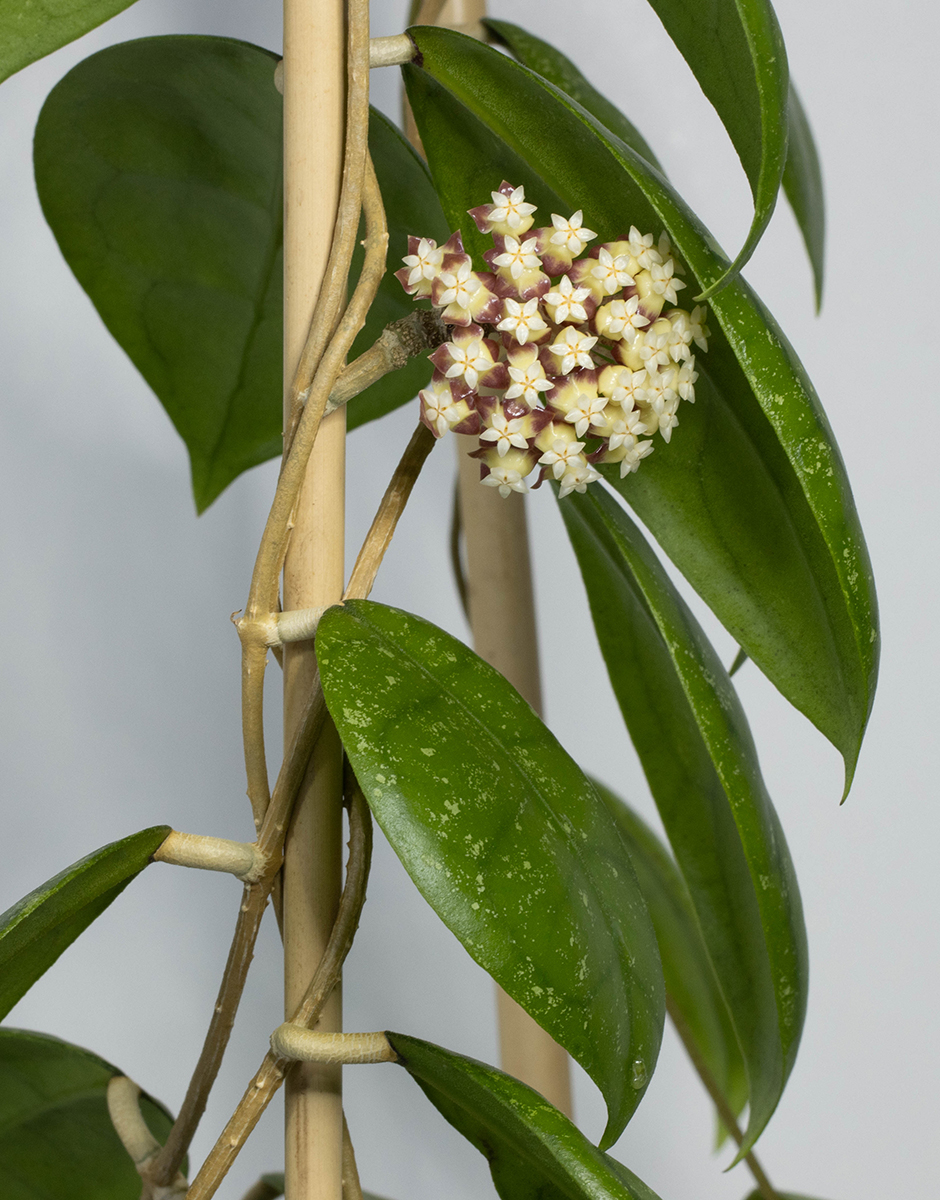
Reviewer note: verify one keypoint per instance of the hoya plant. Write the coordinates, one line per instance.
(282, 263)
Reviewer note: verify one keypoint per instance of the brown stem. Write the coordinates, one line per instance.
(271, 1073)
(392, 506)
(725, 1111)
(352, 1188)
(167, 1162)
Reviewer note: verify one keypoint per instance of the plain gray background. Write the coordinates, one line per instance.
(120, 667)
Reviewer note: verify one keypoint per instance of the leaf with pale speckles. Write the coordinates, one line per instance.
(504, 836)
(693, 740)
(750, 499)
(534, 1151)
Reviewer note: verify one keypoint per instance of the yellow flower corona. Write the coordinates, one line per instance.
(555, 362)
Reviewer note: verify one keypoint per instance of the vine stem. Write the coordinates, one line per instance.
(271, 1073)
(722, 1106)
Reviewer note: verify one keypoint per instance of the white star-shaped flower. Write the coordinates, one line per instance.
(468, 362)
(511, 210)
(653, 349)
(613, 273)
(621, 319)
(666, 412)
(527, 382)
(584, 414)
(641, 247)
(663, 283)
(682, 380)
(571, 233)
(518, 256)
(565, 303)
(577, 479)
(439, 407)
(563, 456)
(522, 320)
(425, 263)
(507, 480)
(626, 429)
(460, 286)
(699, 330)
(574, 349)
(635, 456)
(504, 433)
(629, 389)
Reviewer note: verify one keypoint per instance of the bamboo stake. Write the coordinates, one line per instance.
(502, 619)
(314, 122)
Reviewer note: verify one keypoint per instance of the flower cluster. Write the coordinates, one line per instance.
(555, 361)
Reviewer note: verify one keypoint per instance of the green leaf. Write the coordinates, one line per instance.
(411, 207)
(35, 931)
(503, 835)
(803, 185)
(736, 52)
(750, 498)
(693, 740)
(552, 65)
(802, 178)
(534, 1152)
(690, 978)
(158, 165)
(31, 29)
(56, 1138)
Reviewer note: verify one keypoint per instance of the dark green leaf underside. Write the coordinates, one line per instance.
(698, 755)
(56, 1138)
(814, 635)
(31, 29)
(159, 165)
(534, 1152)
(554, 66)
(736, 52)
(36, 930)
(503, 835)
(803, 185)
(690, 978)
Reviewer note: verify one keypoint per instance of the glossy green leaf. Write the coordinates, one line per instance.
(534, 1152)
(56, 1138)
(554, 66)
(736, 52)
(693, 740)
(691, 983)
(803, 185)
(31, 29)
(750, 498)
(158, 165)
(503, 835)
(802, 178)
(35, 931)
(411, 207)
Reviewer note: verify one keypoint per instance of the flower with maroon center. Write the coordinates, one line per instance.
(522, 321)
(510, 213)
(573, 349)
(527, 375)
(471, 357)
(567, 303)
(590, 347)
(423, 264)
(505, 431)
